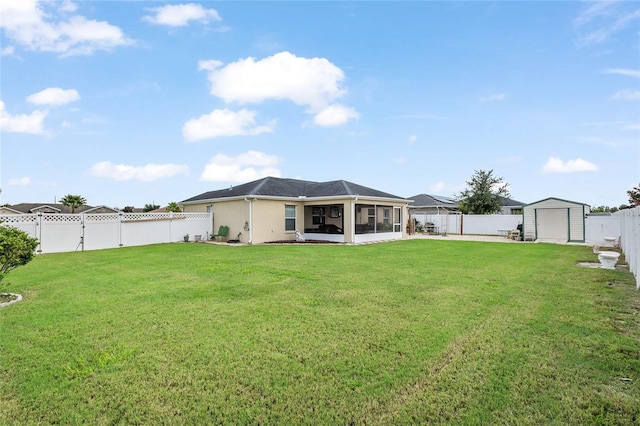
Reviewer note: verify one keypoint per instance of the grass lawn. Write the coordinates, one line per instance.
(408, 332)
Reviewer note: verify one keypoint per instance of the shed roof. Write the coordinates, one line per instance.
(292, 188)
(557, 199)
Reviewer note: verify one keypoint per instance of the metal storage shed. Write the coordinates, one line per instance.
(555, 220)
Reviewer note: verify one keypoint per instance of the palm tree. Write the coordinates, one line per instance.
(73, 201)
(173, 207)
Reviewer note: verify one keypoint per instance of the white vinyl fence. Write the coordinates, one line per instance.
(630, 239)
(469, 224)
(76, 232)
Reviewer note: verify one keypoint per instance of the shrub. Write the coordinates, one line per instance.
(16, 248)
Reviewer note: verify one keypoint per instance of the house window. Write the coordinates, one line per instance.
(385, 216)
(317, 215)
(289, 218)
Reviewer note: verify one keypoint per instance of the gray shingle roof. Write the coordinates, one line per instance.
(281, 187)
(29, 207)
(424, 200)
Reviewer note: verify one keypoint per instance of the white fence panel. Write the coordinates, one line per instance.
(630, 239)
(101, 231)
(60, 232)
(441, 223)
(598, 227)
(25, 222)
(469, 224)
(489, 224)
(140, 229)
(75, 232)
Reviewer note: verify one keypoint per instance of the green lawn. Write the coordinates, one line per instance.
(409, 332)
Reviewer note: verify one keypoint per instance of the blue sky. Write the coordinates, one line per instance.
(137, 102)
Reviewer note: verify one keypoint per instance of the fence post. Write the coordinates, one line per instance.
(120, 216)
(39, 231)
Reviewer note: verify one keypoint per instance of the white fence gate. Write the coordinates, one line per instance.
(74, 232)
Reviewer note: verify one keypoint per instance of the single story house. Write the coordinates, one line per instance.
(27, 208)
(276, 209)
(555, 220)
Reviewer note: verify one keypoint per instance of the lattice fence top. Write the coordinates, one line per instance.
(18, 218)
(61, 218)
(99, 217)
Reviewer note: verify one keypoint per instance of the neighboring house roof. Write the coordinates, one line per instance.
(424, 200)
(292, 188)
(56, 208)
(9, 210)
(508, 202)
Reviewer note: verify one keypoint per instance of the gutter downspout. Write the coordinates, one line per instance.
(250, 219)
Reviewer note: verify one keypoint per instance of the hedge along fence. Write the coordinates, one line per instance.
(630, 239)
(74, 232)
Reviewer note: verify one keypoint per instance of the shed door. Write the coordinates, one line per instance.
(552, 224)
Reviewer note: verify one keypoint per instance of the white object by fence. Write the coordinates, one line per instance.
(76, 232)
(630, 239)
(597, 228)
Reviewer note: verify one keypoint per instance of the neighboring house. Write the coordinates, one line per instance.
(437, 204)
(25, 208)
(8, 210)
(432, 204)
(555, 220)
(510, 206)
(274, 209)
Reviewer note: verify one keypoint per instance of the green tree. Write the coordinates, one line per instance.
(73, 201)
(148, 207)
(173, 207)
(16, 248)
(128, 209)
(603, 209)
(485, 194)
(634, 196)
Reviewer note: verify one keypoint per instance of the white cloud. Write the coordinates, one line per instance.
(54, 96)
(314, 83)
(413, 139)
(557, 165)
(246, 167)
(311, 82)
(623, 71)
(147, 173)
(626, 95)
(223, 122)
(22, 123)
(335, 115)
(179, 15)
(45, 26)
(602, 19)
(632, 127)
(7, 50)
(23, 181)
(495, 97)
